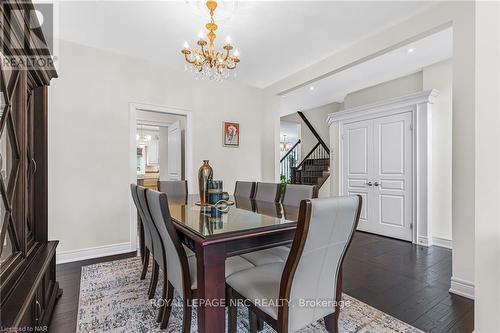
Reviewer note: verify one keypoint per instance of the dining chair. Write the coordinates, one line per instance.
(267, 192)
(313, 271)
(148, 243)
(180, 260)
(158, 252)
(295, 193)
(173, 188)
(244, 189)
(246, 203)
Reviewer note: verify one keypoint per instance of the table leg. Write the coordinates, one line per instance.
(211, 288)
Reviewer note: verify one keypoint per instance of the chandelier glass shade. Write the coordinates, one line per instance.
(284, 145)
(205, 60)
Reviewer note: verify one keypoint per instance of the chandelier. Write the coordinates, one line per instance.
(284, 145)
(207, 62)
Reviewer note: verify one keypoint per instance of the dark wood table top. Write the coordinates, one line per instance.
(246, 216)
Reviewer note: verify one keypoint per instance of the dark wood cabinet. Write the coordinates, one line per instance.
(28, 285)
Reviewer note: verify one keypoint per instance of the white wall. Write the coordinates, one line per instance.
(89, 138)
(487, 226)
(317, 118)
(440, 77)
(399, 87)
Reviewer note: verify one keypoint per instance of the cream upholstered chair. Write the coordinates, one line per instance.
(173, 188)
(180, 260)
(267, 192)
(295, 193)
(313, 270)
(244, 189)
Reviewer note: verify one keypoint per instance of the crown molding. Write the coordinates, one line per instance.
(427, 96)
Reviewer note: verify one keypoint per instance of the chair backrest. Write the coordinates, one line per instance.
(178, 269)
(244, 189)
(295, 193)
(244, 203)
(158, 252)
(268, 208)
(147, 234)
(173, 188)
(267, 192)
(313, 269)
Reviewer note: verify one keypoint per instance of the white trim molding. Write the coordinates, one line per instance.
(93, 252)
(188, 171)
(424, 241)
(434, 241)
(427, 96)
(420, 105)
(462, 288)
(442, 242)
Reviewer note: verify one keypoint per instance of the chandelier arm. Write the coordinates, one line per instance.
(192, 61)
(203, 51)
(227, 55)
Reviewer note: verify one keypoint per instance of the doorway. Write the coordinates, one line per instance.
(160, 150)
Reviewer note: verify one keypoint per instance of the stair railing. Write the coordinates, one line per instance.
(288, 162)
(318, 154)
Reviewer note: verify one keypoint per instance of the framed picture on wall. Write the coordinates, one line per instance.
(231, 134)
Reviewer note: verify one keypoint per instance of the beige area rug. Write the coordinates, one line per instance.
(114, 299)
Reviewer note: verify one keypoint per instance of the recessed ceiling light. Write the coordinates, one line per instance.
(411, 50)
(311, 88)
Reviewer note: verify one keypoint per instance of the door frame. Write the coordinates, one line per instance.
(420, 105)
(188, 163)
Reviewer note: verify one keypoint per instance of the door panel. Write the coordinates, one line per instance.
(393, 156)
(358, 156)
(377, 165)
(174, 163)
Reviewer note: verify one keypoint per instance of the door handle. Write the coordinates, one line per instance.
(369, 184)
(376, 184)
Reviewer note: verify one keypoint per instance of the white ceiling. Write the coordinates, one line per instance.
(275, 38)
(389, 66)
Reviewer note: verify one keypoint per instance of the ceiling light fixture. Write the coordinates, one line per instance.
(311, 88)
(410, 50)
(207, 62)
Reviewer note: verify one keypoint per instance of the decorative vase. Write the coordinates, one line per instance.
(205, 174)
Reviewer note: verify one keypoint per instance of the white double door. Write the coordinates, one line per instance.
(377, 164)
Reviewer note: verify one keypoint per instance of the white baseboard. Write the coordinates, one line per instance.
(92, 252)
(442, 242)
(434, 241)
(462, 288)
(424, 241)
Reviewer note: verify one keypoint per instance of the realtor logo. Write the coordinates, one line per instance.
(31, 42)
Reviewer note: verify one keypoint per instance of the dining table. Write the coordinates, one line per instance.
(215, 234)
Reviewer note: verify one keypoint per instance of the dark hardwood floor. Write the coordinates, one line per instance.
(407, 281)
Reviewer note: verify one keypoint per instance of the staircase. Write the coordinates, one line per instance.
(314, 169)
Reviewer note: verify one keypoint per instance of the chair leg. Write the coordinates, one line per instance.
(154, 280)
(253, 321)
(168, 306)
(232, 313)
(332, 322)
(260, 324)
(186, 322)
(145, 264)
(163, 297)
